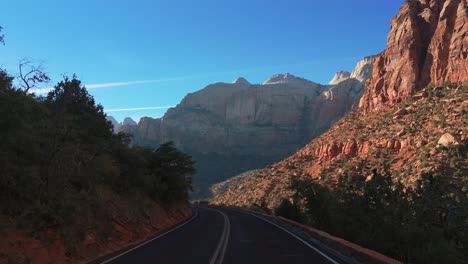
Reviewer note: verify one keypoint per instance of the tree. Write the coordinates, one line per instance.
(288, 210)
(6, 81)
(175, 169)
(31, 75)
(2, 37)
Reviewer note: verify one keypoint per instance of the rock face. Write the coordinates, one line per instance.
(427, 43)
(362, 72)
(241, 80)
(232, 128)
(339, 77)
(363, 69)
(448, 140)
(358, 143)
(114, 122)
(129, 122)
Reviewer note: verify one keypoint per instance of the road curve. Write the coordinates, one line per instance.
(219, 235)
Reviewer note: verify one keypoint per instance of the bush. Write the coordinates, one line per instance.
(424, 225)
(288, 210)
(55, 149)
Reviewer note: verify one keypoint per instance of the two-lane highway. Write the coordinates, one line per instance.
(220, 235)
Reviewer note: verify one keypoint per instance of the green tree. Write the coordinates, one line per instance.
(175, 169)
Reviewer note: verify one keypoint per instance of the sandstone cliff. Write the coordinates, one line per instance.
(339, 77)
(418, 135)
(403, 121)
(233, 127)
(427, 43)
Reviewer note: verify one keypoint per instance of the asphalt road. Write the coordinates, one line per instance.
(219, 235)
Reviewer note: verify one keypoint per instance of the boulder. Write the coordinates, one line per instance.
(448, 140)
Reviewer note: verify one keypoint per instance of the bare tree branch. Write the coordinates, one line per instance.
(31, 75)
(2, 37)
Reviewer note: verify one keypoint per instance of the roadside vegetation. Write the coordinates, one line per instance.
(56, 148)
(425, 224)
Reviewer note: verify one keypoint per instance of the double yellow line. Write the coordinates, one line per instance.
(218, 256)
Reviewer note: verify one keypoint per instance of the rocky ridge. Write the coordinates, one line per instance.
(233, 127)
(412, 141)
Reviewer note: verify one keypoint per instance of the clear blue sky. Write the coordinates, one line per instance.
(182, 46)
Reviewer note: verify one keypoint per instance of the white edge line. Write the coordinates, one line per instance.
(302, 240)
(151, 240)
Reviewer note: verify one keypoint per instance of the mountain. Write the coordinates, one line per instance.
(339, 77)
(412, 115)
(129, 122)
(427, 44)
(241, 80)
(114, 122)
(234, 127)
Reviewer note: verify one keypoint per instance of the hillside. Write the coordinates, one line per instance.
(230, 128)
(392, 174)
(404, 135)
(70, 189)
(400, 120)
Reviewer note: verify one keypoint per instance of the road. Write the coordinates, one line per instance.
(228, 236)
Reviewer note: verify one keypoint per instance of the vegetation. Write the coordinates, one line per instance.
(288, 210)
(57, 149)
(426, 224)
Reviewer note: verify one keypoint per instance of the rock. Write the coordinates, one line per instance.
(426, 44)
(114, 122)
(361, 72)
(241, 80)
(339, 77)
(401, 112)
(289, 79)
(129, 122)
(421, 143)
(448, 140)
(232, 127)
(363, 69)
(401, 133)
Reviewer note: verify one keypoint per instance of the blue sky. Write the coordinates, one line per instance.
(182, 46)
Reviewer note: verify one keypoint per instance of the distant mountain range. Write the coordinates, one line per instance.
(234, 127)
(126, 122)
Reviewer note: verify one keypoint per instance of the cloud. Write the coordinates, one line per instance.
(137, 109)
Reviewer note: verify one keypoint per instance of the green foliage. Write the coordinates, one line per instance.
(288, 210)
(56, 149)
(424, 225)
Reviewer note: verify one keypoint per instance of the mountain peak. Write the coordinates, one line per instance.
(286, 78)
(128, 121)
(241, 80)
(114, 122)
(339, 77)
(363, 69)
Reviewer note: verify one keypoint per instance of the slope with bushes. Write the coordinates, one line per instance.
(72, 190)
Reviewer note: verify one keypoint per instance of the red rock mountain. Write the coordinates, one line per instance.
(427, 43)
(234, 127)
(401, 120)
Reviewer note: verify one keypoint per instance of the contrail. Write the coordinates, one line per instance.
(137, 109)
(211, 74)
(114, 84)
